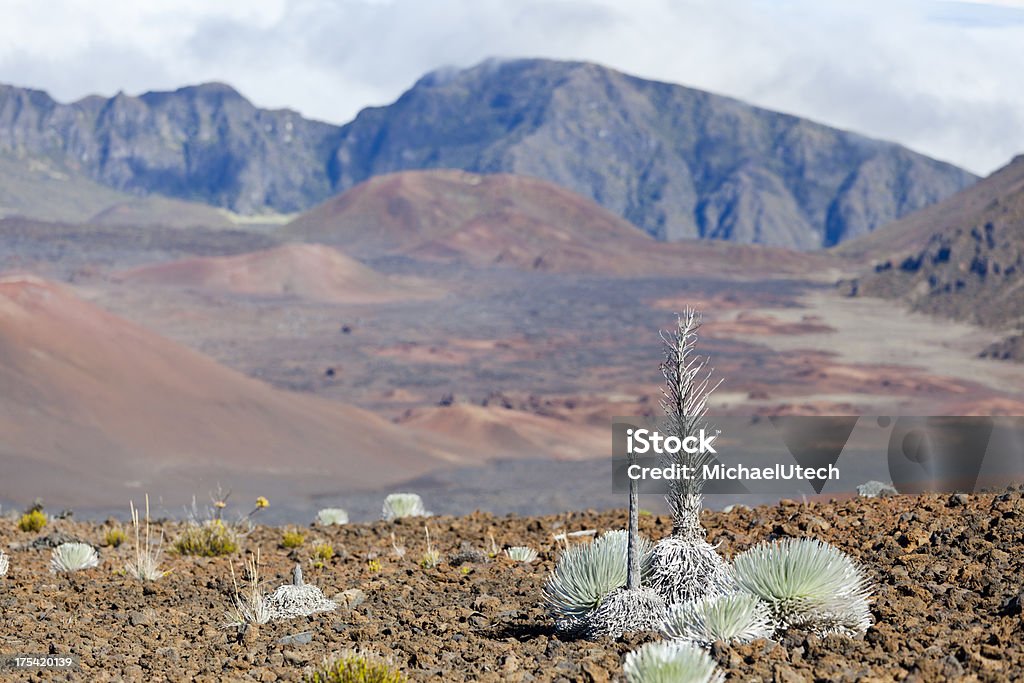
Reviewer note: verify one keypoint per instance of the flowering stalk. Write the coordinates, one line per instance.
(688, 386)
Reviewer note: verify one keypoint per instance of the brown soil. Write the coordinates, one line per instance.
(501, 430)
(947, 573)
(307, 271)
(749, 324)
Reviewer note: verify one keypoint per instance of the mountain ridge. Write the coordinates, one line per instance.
(678, 162)
(962, 258)
(518, 222)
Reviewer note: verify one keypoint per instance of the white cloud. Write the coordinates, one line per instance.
(939, 76)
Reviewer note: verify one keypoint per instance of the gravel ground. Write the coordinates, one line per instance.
(947, 572)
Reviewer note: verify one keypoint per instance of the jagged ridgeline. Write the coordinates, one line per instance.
(677, 162)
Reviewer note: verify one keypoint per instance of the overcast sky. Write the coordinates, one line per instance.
(944, 78)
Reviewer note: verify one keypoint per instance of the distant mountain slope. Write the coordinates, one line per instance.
(678, 162)
(515, 221)
(36, 188)
(305, 271)
(156, 210)
(95, 408)
(203, 143)
(480, 219)
(963, 258)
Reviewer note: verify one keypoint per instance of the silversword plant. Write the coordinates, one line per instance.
(73, 557)
(737, 617)
(332, 517)
(297, 599)
(632, 607)
(808, 585)
(625, 610)
(687, 568)
(685, 565)
(401, 505)
(671, 661)
(586, 573)
(688, 388)
(4, 563)
(521, 553)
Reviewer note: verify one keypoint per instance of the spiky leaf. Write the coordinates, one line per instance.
(671, 662)
(585, 573)
(808, 585)
(736, 617)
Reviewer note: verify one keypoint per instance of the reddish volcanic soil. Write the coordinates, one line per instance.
(482, 217)
(95, 407)
(750, 324)
(307, 271)
(505, 432)
(945, 570)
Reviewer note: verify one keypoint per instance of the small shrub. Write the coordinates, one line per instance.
(807, 584)
(72, 557)
(212, 538)
(324, 552)
(4, 563)
(292, 538)
(402, 505)
(585, 573)
(521, 553)
(430, 559)
(373, 565)
(114, 537)
(671, 662)
(33, 521)
(737, 617)
(354, 667)
(332, 517)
